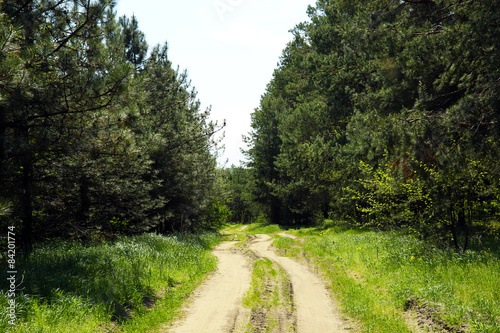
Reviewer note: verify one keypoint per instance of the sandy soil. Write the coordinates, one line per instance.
(315, 311)
(216, 305)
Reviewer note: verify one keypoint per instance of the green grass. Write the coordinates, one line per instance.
(256, 228)
(269, 298)
(378, 275)
(128, 285)
(234, 232)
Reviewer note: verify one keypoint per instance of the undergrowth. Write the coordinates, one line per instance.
(379, 277)
(118, 286)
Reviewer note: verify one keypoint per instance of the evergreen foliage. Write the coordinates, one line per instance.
(385, 112)
(242, 202)
(97, 136)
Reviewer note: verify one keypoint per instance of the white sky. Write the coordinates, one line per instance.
(230, 49)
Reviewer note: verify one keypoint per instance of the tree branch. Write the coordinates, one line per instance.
(65, 40)
(420, 2)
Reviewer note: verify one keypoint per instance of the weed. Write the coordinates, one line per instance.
(73, 286)
(375, 274)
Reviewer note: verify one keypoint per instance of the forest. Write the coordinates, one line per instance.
(382, 113)
(372, 160)
(99, 135)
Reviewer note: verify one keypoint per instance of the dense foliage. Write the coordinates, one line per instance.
(97, 135)
(385, 112)
(240, 192)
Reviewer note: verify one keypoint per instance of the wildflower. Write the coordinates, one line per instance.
(412, 258)
(358, 248)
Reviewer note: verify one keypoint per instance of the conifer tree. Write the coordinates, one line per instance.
(136, 46)
(386, 99)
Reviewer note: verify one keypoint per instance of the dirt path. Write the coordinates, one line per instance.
(216, 306)
(315, 311)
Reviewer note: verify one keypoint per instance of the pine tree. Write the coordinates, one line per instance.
(66, 75)
(136, 46)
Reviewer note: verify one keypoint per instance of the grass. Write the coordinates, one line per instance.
(256, 228)
(381, 276)
(129, 285)
(251, 229)
(270, 299)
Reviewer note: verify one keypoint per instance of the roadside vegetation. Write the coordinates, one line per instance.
(392, 282)
(132, 284)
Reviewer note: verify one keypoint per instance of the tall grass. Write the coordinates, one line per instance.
(75, 287)
(379, 275)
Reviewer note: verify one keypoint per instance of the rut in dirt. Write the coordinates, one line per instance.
(216, 305)
(315, 311)
(217, 308)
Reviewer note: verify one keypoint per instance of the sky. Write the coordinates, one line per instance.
(229, 48)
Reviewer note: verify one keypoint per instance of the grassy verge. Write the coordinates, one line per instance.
(130, 285)
(382, 278)
(256, 228)
(270, 299)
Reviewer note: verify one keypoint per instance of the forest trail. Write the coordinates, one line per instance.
(314, 307)
(216, 305)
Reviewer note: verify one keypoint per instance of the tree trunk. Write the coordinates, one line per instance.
(463, 228)
(275, 210)
(26, 202)
(84, 201)
(459, 229)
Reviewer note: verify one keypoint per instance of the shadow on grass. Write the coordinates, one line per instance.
(98, 276)
(116, 276)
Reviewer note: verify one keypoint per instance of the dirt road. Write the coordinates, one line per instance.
(216, 306)
(315, 311)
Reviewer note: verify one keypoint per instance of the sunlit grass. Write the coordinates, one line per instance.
(240, 231)
(74, 287)
(376, 274)
(257, 228)
(269, 298)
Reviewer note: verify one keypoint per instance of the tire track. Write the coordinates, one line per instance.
(315, 310)
(270, 298)
(216, 305)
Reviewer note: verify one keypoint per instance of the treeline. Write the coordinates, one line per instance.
(97, 136)
(385, 113)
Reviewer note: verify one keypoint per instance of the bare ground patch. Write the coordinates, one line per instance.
(216, 305)
(429, 317)
(314, 307)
